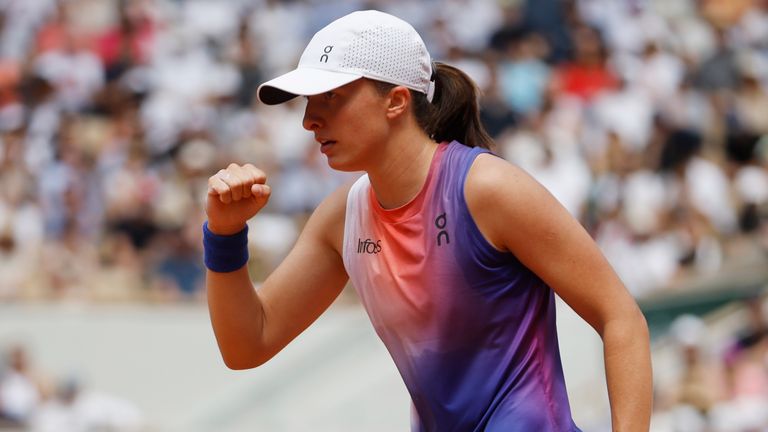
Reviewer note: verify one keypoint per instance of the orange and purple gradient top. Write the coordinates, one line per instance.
(470, 328)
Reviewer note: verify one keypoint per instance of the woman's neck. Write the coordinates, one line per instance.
(399, 176)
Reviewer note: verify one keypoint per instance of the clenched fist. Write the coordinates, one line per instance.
(235, 195)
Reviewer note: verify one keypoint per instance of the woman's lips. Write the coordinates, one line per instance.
(326, 146)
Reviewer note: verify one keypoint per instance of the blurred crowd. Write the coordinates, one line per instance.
(648, 119)
(31, 400)
(720, 383)
(652, 129)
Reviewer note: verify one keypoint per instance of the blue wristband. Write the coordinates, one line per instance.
(225, 253)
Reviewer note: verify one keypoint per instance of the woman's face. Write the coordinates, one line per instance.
(349, 123)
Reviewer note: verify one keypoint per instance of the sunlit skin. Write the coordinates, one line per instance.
(339, 116)
(369, 132)
(374, 133)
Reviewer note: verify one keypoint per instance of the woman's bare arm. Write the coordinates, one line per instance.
(251, 325)
(516, 214)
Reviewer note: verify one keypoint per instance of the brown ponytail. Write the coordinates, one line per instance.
(454, 113)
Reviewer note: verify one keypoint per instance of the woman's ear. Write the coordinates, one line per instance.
(399, 101)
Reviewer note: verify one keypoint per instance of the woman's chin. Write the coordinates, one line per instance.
(340, 166)
(343, 165)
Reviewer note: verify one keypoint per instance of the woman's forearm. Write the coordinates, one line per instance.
(628, 373)
(237, 317)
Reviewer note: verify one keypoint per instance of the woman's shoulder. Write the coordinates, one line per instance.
(489, 174)
(499, 194)
(328, 218)
(491, 177)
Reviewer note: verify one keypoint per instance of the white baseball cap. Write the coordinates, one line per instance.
(369, 44)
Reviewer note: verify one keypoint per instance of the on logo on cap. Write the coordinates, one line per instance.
(326, 50)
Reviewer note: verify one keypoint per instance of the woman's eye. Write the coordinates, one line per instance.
(330, 95)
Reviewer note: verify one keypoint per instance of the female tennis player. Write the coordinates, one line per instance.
(455, 253)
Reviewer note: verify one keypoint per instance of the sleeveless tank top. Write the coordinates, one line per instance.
(471, 330)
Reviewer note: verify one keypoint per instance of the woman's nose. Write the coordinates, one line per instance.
(311, 120)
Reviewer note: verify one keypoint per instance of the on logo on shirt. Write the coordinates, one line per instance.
(442, 235)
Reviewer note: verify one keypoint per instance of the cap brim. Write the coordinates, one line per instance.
(302, 82)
